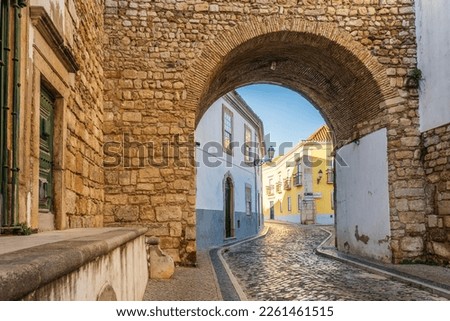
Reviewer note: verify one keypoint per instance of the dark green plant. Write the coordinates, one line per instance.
(414, 78)
(416, 74)
(24, 229)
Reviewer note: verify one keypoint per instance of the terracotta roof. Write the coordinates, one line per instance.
(323, 134)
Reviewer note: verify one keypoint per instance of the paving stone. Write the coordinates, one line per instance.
(283, 266)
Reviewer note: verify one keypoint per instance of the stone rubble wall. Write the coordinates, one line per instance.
(84, 158)
(436, 156)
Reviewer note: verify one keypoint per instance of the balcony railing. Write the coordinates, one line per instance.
(287, 183)
(279, 187)
(270, 190)
(298, 179)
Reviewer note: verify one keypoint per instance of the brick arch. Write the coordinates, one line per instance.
(319, 60)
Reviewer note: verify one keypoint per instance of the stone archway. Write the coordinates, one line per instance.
(319, 60)
(352, 67)
(348, 85)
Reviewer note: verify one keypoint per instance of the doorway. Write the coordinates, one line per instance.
(229, 211)
(46, 122)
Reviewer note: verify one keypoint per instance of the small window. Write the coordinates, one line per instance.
(289, 204)
(227, 130)
(248, 200)
(299, 166)
(330, 176)
(299, 202)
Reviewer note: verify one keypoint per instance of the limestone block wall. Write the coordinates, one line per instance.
(62, 51)
(166, 62)
(84, 157)
(436, 156)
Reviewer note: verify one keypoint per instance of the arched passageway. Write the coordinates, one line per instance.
(353, 71)
(350, 89)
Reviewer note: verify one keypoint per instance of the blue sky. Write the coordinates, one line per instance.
(286, 115)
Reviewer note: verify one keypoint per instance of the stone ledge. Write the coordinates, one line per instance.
(26, 270)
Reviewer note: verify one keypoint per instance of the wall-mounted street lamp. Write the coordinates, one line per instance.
(268, 159)
(319, 176)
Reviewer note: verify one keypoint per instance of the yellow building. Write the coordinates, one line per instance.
(299, 186)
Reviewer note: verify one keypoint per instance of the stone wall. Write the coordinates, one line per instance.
(166, 62)
(64, 53)
(84, 156)
(436, 156)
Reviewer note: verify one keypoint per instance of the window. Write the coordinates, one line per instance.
(248, 200)
(299, 202)
(281, 206)
(289, 204)
(330, 176)
(248, 143)
(227, 130)
(298, 176)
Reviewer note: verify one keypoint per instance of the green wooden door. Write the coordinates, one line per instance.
(46, 151)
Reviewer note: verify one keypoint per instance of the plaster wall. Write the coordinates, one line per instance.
(362, 199)
(212, 166)
(119, 275)
(433, 45)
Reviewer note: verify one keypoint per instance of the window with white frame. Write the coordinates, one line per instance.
(289, 204)
(298, 176)
(330, 176)
(248, 199)
(227, 130)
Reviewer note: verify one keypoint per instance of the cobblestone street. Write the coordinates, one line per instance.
(283, 266)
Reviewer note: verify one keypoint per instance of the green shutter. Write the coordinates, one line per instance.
(46, 151)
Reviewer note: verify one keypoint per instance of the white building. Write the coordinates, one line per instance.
(229, 140)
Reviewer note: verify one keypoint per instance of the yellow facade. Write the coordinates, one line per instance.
(299, 186)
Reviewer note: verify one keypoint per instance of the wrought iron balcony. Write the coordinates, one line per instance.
(287, 183)
(270, 190)
(279, 187)
(298, 179)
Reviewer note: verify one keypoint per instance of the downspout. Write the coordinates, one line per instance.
(4, 113)
(2, 81)
(18, 5)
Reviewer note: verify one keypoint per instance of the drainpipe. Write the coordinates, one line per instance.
(18, 5)
(2, 81)
(4, 101)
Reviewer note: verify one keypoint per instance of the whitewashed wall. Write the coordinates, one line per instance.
(210, 194)
(433, 37)
(124, 271)
(362, 198)
(209, 129)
